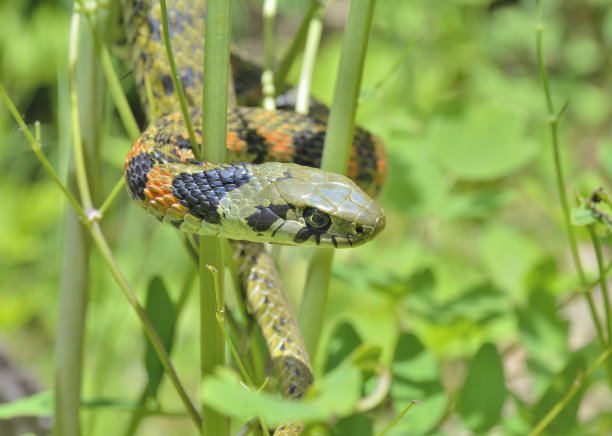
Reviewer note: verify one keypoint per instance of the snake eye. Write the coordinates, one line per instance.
(315, 218)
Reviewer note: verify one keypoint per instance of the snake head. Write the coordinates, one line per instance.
(297, 205)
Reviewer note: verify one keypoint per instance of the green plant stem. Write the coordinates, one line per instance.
(150, 331)
(113, 194)
(77, 145)
(114, 85)
(267, 77)
(100, 242)
(177, 81)
(335, 159)
(576, 385)
(35, 145)
(315, 29)
(396, 420)
(280, 75)
(214, 126)
(553, 120)
(603, 283)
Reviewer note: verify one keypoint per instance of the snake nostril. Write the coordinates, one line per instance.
(359, 230)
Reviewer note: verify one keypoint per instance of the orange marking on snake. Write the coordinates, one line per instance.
(158, 195)
(233, 142)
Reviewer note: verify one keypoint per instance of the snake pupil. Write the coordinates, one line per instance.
(315, 218)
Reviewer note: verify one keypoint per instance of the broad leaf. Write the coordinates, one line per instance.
(416, 377)
(162, 313)
(484, 391)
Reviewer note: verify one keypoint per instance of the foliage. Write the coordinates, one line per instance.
(469, 298)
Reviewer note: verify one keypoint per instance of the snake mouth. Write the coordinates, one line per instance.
(378, 227)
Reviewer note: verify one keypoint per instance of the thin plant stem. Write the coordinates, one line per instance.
(576, 385)
(121, 103)
(603, 283)
(553, 120)
(220, 309)
(267, 77)
(149, 329)
(77, 146)
(315, 29)
(335, 159)
(113, 194)
(100, 242)
(36, 147)
(114, 85)
(280, 75)
(400, 416)
(177, 81)
(214, 127)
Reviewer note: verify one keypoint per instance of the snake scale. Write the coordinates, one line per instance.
(271, 191)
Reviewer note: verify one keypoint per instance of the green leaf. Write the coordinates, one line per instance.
(344, 340)
(488, 142)
(356, 425)
(484, 391)
(543, 333)
(162, 313)
(559, 386)
(40, 404)
(508, 256)
(582, 216)
(480, 304)
(334, 396)
(416, 377)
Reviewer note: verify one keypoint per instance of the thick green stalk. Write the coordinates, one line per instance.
(214, 123)
(74, 285)
(335, 158)
(89, 218)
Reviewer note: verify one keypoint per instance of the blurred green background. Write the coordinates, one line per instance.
(470, 291)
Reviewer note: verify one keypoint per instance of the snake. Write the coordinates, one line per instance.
(271, 188)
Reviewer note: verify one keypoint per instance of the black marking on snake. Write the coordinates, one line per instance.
(309, 147)
(168, 85)
(136, 174)
(256, 146)
(154, 28)
(264, 217)
(200, 192)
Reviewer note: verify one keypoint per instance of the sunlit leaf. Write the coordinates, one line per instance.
(583, 216)
(40, 404)
(508, 256)
(487, 143)
(334, 396)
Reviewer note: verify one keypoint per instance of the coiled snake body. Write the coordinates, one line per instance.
(272, 198)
